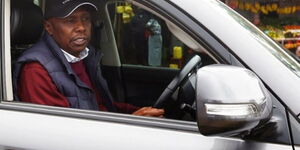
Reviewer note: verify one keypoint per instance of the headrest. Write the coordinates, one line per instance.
(26, 22)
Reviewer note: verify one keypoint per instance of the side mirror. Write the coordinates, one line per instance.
(230, 100)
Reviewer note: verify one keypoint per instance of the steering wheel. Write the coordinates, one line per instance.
(177, 80)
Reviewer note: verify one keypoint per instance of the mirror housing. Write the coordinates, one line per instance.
(230, 100)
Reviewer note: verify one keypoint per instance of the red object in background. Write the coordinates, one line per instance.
(297, 43)
(291, 27)
(147, 34)
(232, 3)
(289, 45)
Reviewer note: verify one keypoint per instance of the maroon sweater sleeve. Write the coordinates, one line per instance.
(36, 86)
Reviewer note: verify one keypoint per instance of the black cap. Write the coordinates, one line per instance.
(63, 8)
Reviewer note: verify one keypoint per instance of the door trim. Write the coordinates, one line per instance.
(6, 57)
(152, 122)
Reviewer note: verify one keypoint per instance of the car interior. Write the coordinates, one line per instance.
(26, 26)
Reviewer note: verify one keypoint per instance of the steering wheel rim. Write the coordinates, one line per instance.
(177, 80)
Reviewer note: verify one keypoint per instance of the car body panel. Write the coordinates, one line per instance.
(40, 131)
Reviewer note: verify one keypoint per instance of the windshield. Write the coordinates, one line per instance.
(271, 45)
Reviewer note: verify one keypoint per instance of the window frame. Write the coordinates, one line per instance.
(2, 48)
(5, 53)
(294, 127)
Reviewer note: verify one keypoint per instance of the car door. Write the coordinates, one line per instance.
(30, 126)
(215, 49)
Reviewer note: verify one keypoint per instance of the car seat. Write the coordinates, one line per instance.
(26, 26)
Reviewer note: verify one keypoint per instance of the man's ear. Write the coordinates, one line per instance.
(48, 27)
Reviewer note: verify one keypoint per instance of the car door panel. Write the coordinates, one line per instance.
(42, 131)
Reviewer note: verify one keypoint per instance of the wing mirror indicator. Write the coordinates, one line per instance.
(232, 110)
(230, 100)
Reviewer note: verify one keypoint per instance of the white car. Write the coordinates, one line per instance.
(241, 93)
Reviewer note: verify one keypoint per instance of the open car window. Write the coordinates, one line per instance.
(177, 54)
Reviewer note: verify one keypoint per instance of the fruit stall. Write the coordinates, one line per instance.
(280, 19)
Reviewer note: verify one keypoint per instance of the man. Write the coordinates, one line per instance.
(62, 69)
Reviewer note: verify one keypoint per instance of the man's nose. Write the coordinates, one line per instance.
(81, 26)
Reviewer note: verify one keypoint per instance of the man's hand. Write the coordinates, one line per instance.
(149, 111)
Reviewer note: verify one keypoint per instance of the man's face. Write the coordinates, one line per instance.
(72, 33)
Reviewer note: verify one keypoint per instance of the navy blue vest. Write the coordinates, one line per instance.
(79, 95)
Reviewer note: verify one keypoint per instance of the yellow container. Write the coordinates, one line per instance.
(128, 9)
(120, 9)
(177, 52)
(173, 66)
(126, 18)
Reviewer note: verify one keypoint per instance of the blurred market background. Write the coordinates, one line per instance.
(280, 19)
